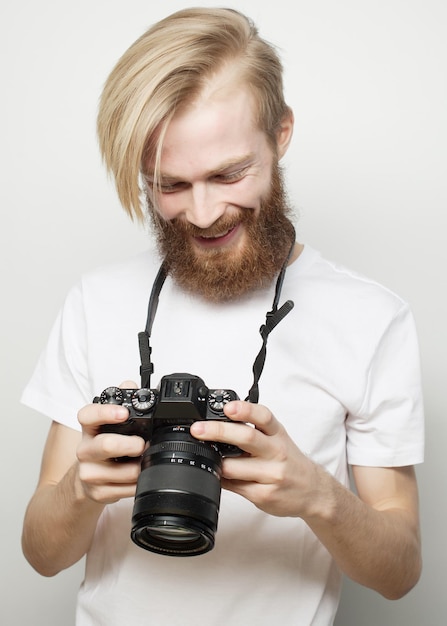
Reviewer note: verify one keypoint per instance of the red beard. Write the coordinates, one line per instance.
(220, 274)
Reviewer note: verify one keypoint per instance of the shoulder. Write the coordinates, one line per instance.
(112, 291)
(331, 284)
(123, 280)
(341, 305)
(123, 274)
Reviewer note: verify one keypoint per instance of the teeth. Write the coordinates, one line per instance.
(216, 236)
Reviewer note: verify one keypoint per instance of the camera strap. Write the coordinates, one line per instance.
(272, 319)
(147, 367)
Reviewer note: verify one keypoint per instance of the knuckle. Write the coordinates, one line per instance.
(250, 435)
(282, 453)
(268, 417)
(82, 415)
(83, 453)
(109, 447)
(97, 494)
(279, 475)
(85, 473)
(80, 454)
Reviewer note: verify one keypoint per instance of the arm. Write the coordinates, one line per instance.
(373, 537)
(77, 479)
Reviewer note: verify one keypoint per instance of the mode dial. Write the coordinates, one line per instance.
(218, 398)
(143, 400)
(111, 395)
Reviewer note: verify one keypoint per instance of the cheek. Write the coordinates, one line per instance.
(168, 206)
(251, 193)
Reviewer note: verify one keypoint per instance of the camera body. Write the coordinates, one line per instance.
(178, 491)
(180, 400)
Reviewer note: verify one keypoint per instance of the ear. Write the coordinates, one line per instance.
(285, 132)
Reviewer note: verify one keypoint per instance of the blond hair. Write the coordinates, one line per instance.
(167, 67)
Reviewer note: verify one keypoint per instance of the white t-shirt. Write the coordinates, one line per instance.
(341, 374)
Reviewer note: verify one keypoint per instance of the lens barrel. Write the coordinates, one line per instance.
(178, 494)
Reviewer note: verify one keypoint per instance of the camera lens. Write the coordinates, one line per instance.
(178, 494)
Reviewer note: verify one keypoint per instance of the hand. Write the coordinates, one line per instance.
(275, 475)
(102, 478)
(374, 537)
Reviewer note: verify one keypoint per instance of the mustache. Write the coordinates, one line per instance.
(223, 224)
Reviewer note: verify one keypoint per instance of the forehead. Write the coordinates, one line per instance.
(215, 128)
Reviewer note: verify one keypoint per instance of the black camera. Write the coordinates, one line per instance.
(178, 492)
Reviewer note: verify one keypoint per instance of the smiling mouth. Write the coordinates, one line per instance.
(219, 239)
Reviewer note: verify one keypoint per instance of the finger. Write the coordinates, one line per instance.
(243, 436)
(107, 446)
(128, 384)
(243, 469)
(94, 415)
(106, 487)
(108, 494)
(110, 473)
(260, 416)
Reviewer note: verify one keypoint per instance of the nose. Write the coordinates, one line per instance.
(203, 208)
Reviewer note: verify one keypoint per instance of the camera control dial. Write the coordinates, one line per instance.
(111, 395)
(218, 398)
(143, 400)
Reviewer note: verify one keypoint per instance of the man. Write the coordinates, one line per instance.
(193, 114)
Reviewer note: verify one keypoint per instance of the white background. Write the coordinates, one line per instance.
(367, 174)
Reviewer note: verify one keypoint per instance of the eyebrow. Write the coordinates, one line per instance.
(230, 164)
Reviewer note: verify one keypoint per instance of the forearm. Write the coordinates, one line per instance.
(378, 547)
(373, 536)
(59, 525)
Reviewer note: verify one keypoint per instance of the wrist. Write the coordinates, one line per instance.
(322, 501)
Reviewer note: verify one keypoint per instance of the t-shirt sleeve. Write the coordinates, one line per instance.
(388, 428)
(59, 386)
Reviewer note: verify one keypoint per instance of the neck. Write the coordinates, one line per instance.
(297, 249)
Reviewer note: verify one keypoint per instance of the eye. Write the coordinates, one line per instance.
(232, 177)
(168, 188)
(173, 187)
(164, 186)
